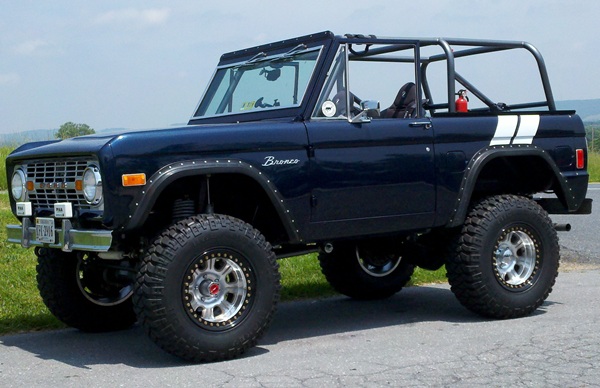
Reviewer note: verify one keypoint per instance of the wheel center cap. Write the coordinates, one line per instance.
(214, 288)
(505, 257)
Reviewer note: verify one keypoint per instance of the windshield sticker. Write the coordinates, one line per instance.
(328, 108)
(248, 105)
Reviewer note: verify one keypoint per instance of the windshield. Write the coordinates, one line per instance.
(260, 83)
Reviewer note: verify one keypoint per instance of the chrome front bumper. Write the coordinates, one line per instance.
(67, 238)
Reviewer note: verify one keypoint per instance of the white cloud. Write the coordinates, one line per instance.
(151, 16)
(9, 79)
(31, 46)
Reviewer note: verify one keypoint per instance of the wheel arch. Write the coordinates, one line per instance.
(198, 171)
(509, 170)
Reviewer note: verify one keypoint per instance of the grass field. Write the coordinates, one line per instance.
(21, 308)
(594, 166)
(4, 151)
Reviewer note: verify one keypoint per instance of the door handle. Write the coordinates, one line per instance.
(424, 124)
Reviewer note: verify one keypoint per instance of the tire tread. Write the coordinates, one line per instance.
(463, 268)
(149, 287)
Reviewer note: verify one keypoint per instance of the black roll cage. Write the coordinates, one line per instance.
(452, 49)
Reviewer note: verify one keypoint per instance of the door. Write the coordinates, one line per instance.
(370, 176)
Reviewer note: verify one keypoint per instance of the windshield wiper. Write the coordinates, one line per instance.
(257, 58)
(262, 56)
(294, 51)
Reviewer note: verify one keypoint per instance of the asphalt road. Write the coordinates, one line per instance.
(582, 244)
(420, 337)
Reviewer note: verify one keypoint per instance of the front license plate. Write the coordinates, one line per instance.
(44, 230)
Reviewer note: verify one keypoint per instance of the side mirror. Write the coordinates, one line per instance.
(370, 109)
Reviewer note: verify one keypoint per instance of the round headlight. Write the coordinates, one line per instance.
(17, 185)
(92, 185)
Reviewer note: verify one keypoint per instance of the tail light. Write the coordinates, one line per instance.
(580, 156)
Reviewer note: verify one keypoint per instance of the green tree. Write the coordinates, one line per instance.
(69, 129)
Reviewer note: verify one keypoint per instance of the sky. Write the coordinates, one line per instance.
(145, 64)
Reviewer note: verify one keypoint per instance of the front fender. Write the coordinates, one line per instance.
(157, 183)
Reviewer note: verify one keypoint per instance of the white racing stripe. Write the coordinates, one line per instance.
(505, 130)
(525, 127)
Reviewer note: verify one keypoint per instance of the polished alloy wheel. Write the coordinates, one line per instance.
(217, 289)
(515, 258)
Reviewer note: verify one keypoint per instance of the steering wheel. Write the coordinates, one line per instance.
(340, 103)
(260, 104)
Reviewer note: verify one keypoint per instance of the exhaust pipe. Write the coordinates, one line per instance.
(562, 227)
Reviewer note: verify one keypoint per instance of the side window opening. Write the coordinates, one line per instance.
(391, 83)
(385, 78)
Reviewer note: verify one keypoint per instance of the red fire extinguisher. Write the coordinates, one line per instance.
(462, 102)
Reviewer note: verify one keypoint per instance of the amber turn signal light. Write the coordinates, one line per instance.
(134, 179)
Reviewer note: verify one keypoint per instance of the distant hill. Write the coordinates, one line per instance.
(27, 136)
(14, 139)
(588, 110)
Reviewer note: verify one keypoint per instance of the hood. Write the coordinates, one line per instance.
(84, 145)
(206, 139)
(188, 139)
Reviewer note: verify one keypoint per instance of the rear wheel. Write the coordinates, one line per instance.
(363, 274)
(507, 258)
(84, 291)
(208, 288)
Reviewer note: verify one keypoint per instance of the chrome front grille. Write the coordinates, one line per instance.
(55, 181)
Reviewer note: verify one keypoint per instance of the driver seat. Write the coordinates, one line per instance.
(405, 104)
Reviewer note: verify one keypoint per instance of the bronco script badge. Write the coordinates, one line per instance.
(272, 161)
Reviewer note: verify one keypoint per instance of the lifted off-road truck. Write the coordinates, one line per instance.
(289, 152)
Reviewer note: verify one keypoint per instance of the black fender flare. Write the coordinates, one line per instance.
(482, 158)
(160, 180)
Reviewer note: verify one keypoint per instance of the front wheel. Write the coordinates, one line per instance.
(208, 288)
(507, 258)
(84, 291)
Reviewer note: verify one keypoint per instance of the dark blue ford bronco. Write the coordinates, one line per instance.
(289, 151)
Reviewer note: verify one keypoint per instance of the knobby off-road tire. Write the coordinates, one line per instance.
(76, 291)
(207, 288)
(507, 258)
(362, 276)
